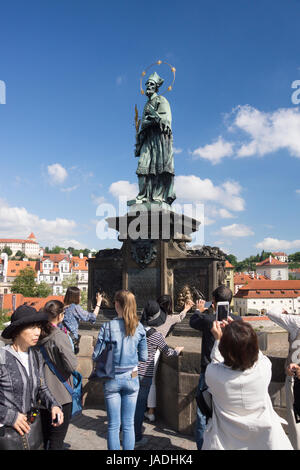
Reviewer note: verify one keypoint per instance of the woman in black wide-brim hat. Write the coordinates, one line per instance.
(22, 383)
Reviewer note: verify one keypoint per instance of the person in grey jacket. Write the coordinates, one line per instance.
(58, 347)
(22, 382)
(291, 323)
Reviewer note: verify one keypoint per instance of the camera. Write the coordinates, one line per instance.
(31, 415)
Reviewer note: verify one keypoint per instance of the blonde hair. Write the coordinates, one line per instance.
(127, 302)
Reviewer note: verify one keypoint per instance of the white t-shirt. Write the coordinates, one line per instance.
(24, 359)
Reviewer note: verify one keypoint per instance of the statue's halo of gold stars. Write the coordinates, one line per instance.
(158, 62)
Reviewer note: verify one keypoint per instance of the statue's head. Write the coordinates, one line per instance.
(153, 83)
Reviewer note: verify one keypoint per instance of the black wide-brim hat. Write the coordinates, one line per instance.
(22, 316)
(153, 315)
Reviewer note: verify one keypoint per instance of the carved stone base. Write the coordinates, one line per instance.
(151, 266)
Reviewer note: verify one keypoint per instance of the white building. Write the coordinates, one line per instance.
(30, 246)
(55, 268)
(281, 256)
(273, 269)
(258, 297)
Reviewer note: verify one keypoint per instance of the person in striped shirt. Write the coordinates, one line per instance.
(151, 316)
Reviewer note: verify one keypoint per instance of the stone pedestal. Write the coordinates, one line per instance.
(155, 260)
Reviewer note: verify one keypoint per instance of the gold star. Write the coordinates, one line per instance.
(158, 62)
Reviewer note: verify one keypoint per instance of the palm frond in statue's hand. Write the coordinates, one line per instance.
(136, 119)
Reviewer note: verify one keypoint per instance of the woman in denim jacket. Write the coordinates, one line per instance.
(121, 392)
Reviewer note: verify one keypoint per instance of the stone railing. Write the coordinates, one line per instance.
(177, 377)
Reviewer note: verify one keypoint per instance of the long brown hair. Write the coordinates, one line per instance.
(239, 345)
(127, 302)
(72, 296)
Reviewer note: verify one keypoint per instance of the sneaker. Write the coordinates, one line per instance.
(141, 442)
(151, 417)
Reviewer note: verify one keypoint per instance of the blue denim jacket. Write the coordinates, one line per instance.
(129, 350)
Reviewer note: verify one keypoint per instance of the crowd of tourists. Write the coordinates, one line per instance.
(40, 387)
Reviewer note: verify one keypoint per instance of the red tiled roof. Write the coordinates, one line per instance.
(228, 265)
(32, 236)
(268, 284)
(82, 263)
(263, 294)
(16, 240)
(56, 258)
(242, 278)
(36, 302)
(14, 267)
(270, 289)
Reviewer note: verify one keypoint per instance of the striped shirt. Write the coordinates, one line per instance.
(154, 341)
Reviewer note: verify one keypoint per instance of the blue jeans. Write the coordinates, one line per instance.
(200, 419)
(120, 398)
(141, 406)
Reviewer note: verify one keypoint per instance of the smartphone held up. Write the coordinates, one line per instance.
(222, 311)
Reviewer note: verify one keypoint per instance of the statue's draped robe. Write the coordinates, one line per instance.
(156, 164)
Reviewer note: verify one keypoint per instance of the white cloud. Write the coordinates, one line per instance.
(17, 222)
(225, 214)
(214, 152)
(57, 173)
(269, 131)
(70, 189)
(97, 199)
(236, 230)
(177, 150)
(259, 133)
(270, 244)
(124, 188)
(71, 242)
(193, 189)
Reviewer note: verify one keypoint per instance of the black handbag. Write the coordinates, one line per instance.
(296, 406)
(104, 367)
(204, 402)
(10, 439)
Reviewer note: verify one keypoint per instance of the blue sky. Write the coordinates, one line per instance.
(72, 69)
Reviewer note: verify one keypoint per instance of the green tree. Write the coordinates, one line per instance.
(43, 289)
(70, 281)
(295, 257)
(25, 283)
(83, 299)
(232, 259)
(57, 249)
(20, 254)
(7, 250)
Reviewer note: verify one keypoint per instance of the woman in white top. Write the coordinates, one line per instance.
(238, 379)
